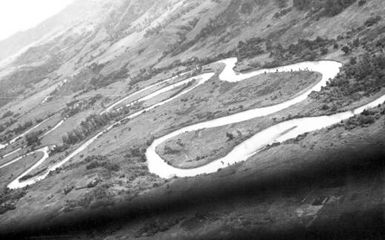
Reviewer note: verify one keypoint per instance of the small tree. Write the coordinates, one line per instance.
(33, 139)
(229, 136)
(345, 49)
(361, 3)
(353, 60)
(324, 51)
(336, 46)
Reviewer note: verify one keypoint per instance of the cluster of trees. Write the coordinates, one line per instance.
(33, 139)
(22, 127)
(366, 75)
(145, 74)
(250, 48)
(303, 44)
(77, 106)
(304, 49)
(137, 152)
(87, 127)
(94, 123)
(6, 124)
(357, 79)
(101, 81)
(19, 129)
(371, 43)
(364, 119)
(96, 79)
(149, 72)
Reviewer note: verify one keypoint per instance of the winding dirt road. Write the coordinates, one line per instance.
(277, 133)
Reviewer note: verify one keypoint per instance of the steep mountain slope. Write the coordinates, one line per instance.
(100, 54)
(139, 34)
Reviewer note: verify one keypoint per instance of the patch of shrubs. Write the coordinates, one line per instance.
(138, 152)
(282, 13)
(7, 114)
(5, 207)
(6, 124)
(98, 197)
(95, 122)
(372, 21)
(22, 127)
(76, 106)
(366, 118)
(170, 151)
(67, 189)
(59, 149)
(303, 49)
(250, 48)
(101, 162)
(29, 176)
(101, 81)
(334, 7)
(18, 130)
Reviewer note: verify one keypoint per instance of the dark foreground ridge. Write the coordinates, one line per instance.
(365, 164)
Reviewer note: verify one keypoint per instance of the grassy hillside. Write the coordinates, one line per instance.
(319, 184)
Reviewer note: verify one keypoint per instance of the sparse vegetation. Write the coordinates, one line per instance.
(7, 114)
(9, 199)
(327, 8)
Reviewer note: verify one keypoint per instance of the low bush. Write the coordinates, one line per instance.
(101, 162)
